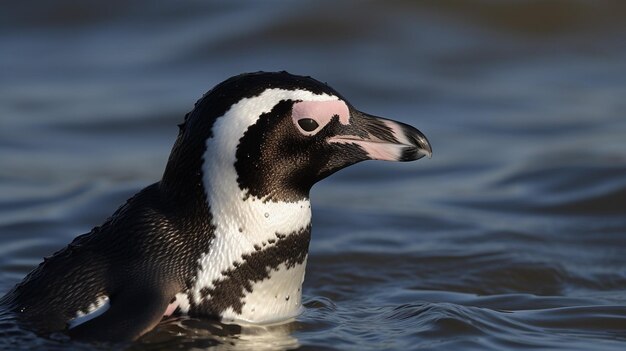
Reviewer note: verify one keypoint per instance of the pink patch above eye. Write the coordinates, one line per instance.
(321, 111)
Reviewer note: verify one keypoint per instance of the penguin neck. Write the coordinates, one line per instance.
(255, 217)
(256, 220)
(254, 268)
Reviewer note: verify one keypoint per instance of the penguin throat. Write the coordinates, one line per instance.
(259, 286)
(258, 251)
(258, 245)
(254, 233)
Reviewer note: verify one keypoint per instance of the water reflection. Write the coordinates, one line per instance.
(186, 332)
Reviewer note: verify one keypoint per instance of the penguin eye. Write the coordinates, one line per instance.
(308, 124)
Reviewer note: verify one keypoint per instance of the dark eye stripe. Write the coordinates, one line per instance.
(308, 124)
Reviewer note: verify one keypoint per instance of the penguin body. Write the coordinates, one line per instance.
(225, 233)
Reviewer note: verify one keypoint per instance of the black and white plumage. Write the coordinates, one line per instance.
(225, 233)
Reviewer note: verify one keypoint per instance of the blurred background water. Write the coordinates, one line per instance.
(512, 237)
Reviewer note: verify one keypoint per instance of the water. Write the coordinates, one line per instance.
(512, 237)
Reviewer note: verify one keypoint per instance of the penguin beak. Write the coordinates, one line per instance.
(384, 139)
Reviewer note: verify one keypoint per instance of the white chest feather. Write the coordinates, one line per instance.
(272, 300)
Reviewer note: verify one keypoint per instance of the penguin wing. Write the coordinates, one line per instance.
(131, 314)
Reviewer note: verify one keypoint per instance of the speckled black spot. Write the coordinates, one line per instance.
(205, 292)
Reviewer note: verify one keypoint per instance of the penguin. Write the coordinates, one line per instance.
(225, 233)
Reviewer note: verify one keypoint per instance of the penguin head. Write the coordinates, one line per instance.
(277, 134)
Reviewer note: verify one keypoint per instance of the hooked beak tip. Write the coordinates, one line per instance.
(424, 153)
(424, 147)
(421, 146)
